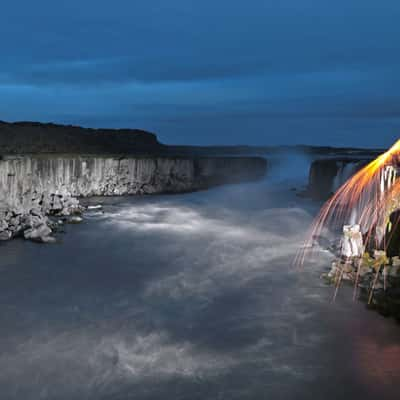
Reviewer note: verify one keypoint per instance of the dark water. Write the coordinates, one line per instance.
(187, 297)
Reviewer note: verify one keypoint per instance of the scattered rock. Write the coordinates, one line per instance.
(3, 225)
(75, 219)
(5, 235)
(36, 212)
(97, 207)
(37, 233)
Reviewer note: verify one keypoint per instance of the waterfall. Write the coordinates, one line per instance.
(345, 171)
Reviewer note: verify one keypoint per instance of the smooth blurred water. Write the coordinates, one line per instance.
(187, 297)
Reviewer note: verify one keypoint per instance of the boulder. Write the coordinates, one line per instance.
(36, 212)
(37, 233)
(56, 203)
(5, 235)
(3, 225)
(75, 219)
(33, 221)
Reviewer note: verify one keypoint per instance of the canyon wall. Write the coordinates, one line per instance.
(328, 174)
(32, 187)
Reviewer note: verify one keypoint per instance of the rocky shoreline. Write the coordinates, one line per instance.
(41, 219)
(375, 280)
(37, 190)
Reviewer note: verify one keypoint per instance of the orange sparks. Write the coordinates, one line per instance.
(363, 200)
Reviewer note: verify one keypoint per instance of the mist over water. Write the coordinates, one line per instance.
(288, 167)
(189, 297)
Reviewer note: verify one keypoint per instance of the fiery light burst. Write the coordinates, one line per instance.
(365, 199)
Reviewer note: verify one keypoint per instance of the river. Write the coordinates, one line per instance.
(188, 296)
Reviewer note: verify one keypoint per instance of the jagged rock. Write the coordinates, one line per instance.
(15, 221)
(32, 221)
(3, 225)
(56, 204)
(36, 212)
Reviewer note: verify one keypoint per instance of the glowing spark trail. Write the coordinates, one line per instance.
(364, 199)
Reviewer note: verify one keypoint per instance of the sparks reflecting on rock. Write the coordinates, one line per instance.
(364, 199)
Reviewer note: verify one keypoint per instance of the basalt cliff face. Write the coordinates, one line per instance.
(34, 187)
(45, 168)
(328, 174)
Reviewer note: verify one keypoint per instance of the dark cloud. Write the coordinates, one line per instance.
(161, 62)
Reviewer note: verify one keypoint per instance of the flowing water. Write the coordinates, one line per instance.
(188, 297)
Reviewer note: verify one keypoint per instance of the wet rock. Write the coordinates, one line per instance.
(37, 233)
(334, 270)
(75, 219)
(95, 208)
(3, 225)
(36, 212)
(31, 221)
(47, 239)
(5, 235)
(56, 204)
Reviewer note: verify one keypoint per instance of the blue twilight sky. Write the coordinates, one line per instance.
(207, 71)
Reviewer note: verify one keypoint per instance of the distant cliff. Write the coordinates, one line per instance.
(39, 138)
(326, 175)
(33, 137)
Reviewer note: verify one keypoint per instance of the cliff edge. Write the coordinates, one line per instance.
(46, 168)
(35, 137)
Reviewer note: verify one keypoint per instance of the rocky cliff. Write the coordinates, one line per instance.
(328, 174)
(32, 187)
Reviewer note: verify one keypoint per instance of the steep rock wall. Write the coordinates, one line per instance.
(32, 187)
(327, 175)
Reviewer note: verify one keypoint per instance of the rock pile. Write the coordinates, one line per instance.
(376, 280)
(32, 219)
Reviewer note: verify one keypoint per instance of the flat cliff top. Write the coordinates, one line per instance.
(120, 156)
(322, 151)
(34, 137)
(48, 138)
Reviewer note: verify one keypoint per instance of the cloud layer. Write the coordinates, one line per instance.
(232, 72)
